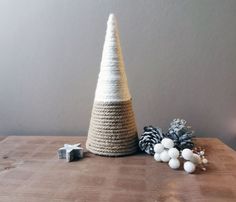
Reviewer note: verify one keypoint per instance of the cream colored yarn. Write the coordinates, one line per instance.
(112, 130)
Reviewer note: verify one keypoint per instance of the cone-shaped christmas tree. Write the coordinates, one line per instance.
(112, 130)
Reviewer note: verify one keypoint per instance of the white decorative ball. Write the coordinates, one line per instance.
(167, 143)
(187, 154)
(158, 148)
(204, 161)
(173, 153)
(164, 156)
(189, 167)
(196, 159)
(201, 153)
(174, 163)
(157, 157)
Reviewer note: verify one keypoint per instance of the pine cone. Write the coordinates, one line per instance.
(181, 134)
(149, 138)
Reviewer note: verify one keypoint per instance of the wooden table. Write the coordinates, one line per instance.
(30, 171)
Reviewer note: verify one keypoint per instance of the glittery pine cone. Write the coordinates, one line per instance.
(181, 134)
(149, 138)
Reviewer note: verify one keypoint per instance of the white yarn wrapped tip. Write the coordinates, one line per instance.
(111, 18)
(112, 82)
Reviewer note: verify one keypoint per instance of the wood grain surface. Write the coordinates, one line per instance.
(30, 171)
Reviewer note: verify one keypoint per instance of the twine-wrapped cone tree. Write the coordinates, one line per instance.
(112, 130)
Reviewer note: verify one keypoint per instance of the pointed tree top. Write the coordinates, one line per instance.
(112, 82)
(112, 18)
(112, 23)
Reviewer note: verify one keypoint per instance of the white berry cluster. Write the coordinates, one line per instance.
(192, 160)
(166, 152)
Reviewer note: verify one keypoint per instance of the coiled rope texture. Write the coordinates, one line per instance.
(112, 130)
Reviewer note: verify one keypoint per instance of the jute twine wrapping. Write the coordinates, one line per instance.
(112, 130)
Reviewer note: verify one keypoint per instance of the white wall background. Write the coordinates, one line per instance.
(180, 61)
